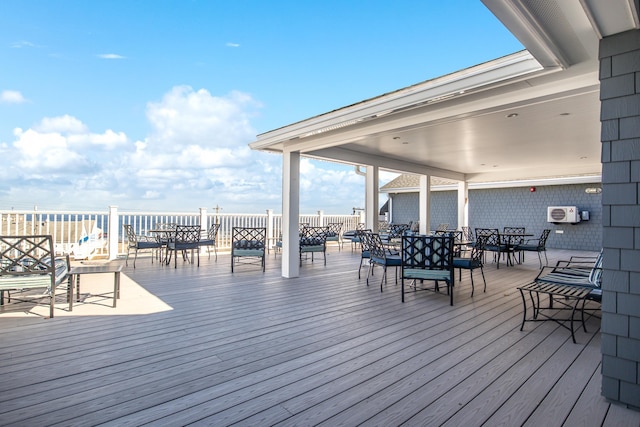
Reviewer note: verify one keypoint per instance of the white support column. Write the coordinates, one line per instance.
(290, 214)
(463, 204)
(425, 204)
(371, 199)
(321, 218)
(114, 232)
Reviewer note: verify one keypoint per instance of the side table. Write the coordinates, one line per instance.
(76, 272)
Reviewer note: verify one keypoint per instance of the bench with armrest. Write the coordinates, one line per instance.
(571, 284)
(29, 262)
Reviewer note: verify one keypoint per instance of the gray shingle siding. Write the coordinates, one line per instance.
(620, 114)
(515, 207)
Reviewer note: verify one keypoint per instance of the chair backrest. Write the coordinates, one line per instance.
(542, 242)
(248, 237)
(477, 252)
(212, 232)
(442, 227)
(491, 235)
(314, 236)
(397, 230)
(595, 277)
(364, 236)
(427, 252)
(377, 250)
(515, 240)
(185, 234)
(335, 228)
(130, 232)
(467, 234)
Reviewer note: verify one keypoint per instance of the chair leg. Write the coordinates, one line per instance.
(483, 279)
(473, 288)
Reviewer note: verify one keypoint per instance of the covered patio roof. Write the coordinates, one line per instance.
(529, 115)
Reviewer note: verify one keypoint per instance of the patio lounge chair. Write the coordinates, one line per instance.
(570, 285)
(29, 262)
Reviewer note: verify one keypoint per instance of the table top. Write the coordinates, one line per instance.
(92, 269)
(516, 234)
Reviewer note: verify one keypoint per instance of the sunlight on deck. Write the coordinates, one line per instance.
(95, 300)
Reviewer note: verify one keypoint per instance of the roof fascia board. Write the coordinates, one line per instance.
(515, 15)
(435, 90)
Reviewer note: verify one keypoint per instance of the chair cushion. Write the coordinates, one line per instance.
(311, 241)
(391, 260)
(248, 244)
(467, 263)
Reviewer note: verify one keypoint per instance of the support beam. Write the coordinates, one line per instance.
(290, 214)
(371, 198)
(463, 204)
(425, 204)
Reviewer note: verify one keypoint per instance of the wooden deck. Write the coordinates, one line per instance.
(202, 346)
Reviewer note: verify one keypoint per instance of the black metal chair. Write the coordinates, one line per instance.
(538, 245)
(211, 239)
(364, 238)
(313, 240)
(512, 242)
(138, 242)
(492, 242)
(382, 256)
(471, 263)
(335, 233)
(248, 246)
(427, 258)
(183, 239)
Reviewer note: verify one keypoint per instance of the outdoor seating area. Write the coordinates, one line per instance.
(257, 348)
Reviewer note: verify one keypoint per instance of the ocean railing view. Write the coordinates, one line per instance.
(86, 234)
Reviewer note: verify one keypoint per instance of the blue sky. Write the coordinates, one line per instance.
(150, 105)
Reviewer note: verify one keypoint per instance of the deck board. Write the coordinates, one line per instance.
(254, 348)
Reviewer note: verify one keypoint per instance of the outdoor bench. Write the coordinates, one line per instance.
(567, 283)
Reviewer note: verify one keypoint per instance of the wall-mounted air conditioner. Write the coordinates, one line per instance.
(563, 214)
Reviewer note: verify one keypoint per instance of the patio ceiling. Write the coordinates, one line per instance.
(530, 115)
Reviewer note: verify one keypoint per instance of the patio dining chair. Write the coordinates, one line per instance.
(427, 258)
(248, 246)
(471, 263)
(364, 240)
(511, 242)
(139, 242)
(314, 240)
(335, 233)
(381, 255)
(538, 245)
(211, 240)
(184, 238)
(492, 242)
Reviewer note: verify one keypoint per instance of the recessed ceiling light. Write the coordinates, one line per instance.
(512, 115)
(405, 143)
(565, 114)
(396, 137)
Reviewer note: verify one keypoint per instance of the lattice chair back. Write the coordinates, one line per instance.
(312, 240)
(250, 243)
(542, 242)
(442, 227)
(428, 258)
(518, 240)
(491, 236)
(397, 230)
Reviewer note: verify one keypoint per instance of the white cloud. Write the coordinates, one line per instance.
(196, 154)
(229, 44)
(110, 56)
(22, 43)
(12, 97)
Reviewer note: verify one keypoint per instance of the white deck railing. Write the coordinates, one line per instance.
(87, 234)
